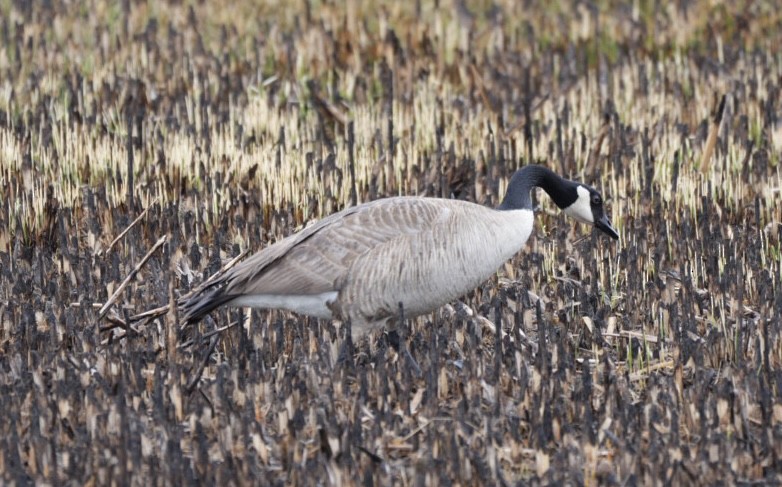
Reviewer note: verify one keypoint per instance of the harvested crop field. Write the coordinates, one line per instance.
(144, 146)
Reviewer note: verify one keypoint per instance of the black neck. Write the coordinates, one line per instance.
(518, 196)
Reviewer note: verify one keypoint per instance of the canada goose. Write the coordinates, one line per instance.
(357, 265)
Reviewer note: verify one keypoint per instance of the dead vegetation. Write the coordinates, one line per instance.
(145, 145)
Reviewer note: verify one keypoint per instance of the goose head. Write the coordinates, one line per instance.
(586, 205)
(577, 200)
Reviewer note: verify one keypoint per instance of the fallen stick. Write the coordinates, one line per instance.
(151, 313)
(160, 311)
(115, 322)
(197, 376)
(124, 232)
(644, 373)
(130, 276)
(594, 154)
(209, 334)
(711, 141)
(135, 330)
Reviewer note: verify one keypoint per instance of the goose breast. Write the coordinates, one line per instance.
(426, 269)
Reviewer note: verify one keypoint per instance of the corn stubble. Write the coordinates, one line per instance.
(656, 360)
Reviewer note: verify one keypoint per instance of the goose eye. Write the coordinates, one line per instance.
(596, 199)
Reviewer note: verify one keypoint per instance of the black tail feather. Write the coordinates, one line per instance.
(203, 302)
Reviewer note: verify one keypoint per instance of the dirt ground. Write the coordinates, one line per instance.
(146, 145)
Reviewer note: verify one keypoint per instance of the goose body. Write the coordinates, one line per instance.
(357, 265)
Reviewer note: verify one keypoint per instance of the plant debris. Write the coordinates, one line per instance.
(145, 145)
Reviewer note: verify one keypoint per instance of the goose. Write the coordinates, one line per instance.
(358, 265)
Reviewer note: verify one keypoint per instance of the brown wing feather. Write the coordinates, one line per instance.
(317, 259)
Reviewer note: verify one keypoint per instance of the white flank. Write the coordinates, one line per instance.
(312, 305)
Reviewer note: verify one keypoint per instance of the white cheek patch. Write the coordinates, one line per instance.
(581, 209)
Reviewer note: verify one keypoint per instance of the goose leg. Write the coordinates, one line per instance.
(351, 349)
(399, 343)
(347, 349)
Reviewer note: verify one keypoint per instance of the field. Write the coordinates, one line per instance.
(144, 146)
